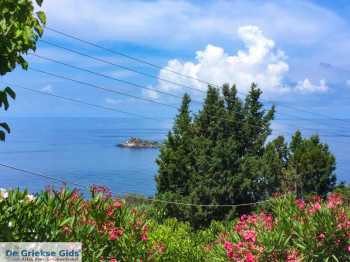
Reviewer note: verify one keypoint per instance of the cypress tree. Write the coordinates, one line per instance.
(220, 157)
(175, 158)
(313, 164)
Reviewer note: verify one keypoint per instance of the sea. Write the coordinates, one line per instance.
(83, 152)
(80, 151)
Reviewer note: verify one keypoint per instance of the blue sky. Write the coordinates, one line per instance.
(278, 44)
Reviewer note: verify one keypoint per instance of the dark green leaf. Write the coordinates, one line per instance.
(22, 62)
(5, 101)
(2, 136)
(39, 2)
(10, 92)
(42, 17)
(6, 127)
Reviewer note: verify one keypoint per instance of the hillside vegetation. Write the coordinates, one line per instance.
(111, 229)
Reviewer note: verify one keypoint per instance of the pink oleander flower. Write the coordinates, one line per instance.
(249, 236)
(144, 236)
(314, 208)
(348, 248)
(268, 220)
(115, 233)
(113, 260)
(252, 219)
(293, 257)
(240, 226)
(249, 257)
(109, 212)
(300, 204)
(334, 200)
(117, 204)
(228, 246)
(321, 236)
(316, 198)
(75, 195)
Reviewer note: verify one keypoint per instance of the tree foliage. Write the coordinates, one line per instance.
(20, 28)
(220, 156)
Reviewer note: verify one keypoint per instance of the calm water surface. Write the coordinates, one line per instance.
(81, 150)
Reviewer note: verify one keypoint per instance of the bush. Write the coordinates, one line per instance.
(106, 228)
(284, 229)
(293, 230)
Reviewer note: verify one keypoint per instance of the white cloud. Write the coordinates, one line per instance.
(112, 101)
(193, 24)
(299, 22)
(47, 89)
(306, 86)
(150, 94)
(260, 62)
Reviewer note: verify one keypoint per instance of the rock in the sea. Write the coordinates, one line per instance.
(139, 143)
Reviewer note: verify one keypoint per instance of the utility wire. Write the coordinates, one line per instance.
(134, 114)
(126, 55)
(121, 66)
(180, 74)
(100, 88)
(82, 187)
(109, 77)
(81, 102)
(42, 176)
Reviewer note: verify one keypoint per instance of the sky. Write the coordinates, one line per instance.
(296, 51)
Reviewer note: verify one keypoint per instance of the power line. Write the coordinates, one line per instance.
(122, 66)
(42, 176)
(100, 88)
(177, 73)
(109, 77)
(126, 112)
(126, 55)
(81, 102)
(82, 187)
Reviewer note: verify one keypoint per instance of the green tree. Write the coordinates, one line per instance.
(275, 159)
(20, 28)
(176, 161)
(223, 165)
(175, 155)
(313, 165)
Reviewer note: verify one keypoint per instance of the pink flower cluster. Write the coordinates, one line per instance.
(334, 200)
(292, 256)
(106, 193)
(247, 221)
(248, 249)
(144, 235)
(239, 252)
(114, 233)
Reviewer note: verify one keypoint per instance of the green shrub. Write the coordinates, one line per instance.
(285, 229)
(295, 230)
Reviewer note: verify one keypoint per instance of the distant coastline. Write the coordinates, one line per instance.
(138, 143)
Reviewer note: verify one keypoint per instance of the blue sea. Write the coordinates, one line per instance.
(82, 151)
